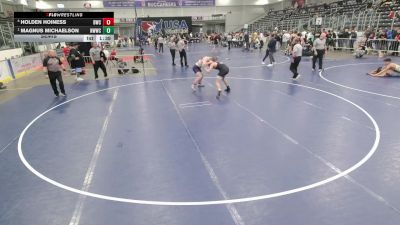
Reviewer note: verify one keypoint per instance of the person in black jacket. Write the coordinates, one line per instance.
(247, 41)
(271, 49)
(77, 61)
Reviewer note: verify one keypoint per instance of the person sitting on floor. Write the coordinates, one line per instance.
(113, 55)
(361, 49)
(389, 69)
(122, 67)
(2, 86)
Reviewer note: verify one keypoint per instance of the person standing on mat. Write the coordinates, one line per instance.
(172, 48)
(97, 60)
(319, 48)
(297, 52)
(156, 42)
(271, 49)
(246, 41)
(223, 71)
(262, 40)
(205, 61)
(53, 66)
(77, 62)
(182, 51)
(229, 39)
(161, 44)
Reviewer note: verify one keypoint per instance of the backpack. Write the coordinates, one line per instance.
(134, 70)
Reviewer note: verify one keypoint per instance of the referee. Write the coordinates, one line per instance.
(53, 66)
(98, 61)
(319, 48)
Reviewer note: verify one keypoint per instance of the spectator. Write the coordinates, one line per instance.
(113, 54)
(2, 86)
(66, 50)
(353, 36)
(397, 43)
(122, 67)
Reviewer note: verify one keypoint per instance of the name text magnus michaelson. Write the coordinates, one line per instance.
(49, 30)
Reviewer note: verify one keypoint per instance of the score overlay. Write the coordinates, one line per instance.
(64, 26)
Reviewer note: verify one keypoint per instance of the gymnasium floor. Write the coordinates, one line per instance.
(144, 150)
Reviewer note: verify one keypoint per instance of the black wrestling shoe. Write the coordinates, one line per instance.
(228, 89)
(218, 95)
(200, 85)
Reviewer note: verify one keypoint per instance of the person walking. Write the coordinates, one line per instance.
(77, 62)
(319, 48)
(172, 48)
(247, 41)
(262, 40)
(156, 42)
(53, 66)
(182, 51)
(229, 39)
(97, 60)
(297, 52)
(161, 44)
(271, 49)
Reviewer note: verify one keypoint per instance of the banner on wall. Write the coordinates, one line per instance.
(5, 73)
(26, 65)
(156, 3)
(165, 25)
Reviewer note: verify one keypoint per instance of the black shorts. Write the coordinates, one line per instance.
(196, 69)
(223, 71)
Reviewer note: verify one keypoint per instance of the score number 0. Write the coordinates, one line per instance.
(108, 21)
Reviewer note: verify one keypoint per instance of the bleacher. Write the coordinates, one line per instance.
(6, 33)
(336, 16)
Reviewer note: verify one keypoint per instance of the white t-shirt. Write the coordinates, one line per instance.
(297, 50)
(285, 37)
(310, 36)
(263, 38)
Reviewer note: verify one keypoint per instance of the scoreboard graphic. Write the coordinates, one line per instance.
(64, 26)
